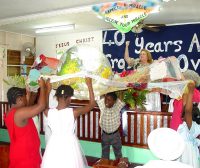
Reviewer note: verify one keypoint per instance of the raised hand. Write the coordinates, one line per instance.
(41, 82)
(127, 43)
(82, 110)
(88, 81)
(48, 85)
(191, 87)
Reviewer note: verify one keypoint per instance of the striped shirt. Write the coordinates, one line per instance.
(110, 117)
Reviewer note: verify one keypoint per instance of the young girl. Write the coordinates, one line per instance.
(63, 148)
(24, 139)
(190, 129)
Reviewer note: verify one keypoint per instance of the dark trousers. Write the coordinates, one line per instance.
(114, 140)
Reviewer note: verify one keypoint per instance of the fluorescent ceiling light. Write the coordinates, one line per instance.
(55, 28)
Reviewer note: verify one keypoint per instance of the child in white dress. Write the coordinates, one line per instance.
(63, 149)
(190, 130)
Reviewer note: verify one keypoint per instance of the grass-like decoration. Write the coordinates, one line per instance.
(15, 81)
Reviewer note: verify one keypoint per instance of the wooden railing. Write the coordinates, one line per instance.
(3, 108)
(139, 125)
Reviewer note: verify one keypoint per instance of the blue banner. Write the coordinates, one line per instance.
(182, 41)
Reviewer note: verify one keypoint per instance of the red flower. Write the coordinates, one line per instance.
(42, 57)
(130, 85)
(123, 74)
(135, 94)
(126, 73)
(137, 86)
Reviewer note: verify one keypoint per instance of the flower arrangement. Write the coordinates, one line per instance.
(135, 97)
(136, 76)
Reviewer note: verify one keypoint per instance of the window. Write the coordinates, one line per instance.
(14, 66)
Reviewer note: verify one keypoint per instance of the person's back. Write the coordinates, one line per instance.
(21, 139)
(61, 122)
(63, 140)
(63, 149)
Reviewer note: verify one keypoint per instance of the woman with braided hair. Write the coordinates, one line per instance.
(24, 139)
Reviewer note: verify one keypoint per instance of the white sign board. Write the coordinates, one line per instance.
(53, 46)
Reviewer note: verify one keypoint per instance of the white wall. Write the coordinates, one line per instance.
(12, 41)
(3, 70)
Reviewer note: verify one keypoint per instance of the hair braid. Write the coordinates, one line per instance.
(13, 93)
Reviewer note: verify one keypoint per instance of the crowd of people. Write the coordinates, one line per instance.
(62, 148)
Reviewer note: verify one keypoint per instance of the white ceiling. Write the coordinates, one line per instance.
(24, 16)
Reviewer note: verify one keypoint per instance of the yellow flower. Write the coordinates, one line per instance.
(71, 67)
(106, 73)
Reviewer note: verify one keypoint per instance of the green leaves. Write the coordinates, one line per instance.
(135, 98)
(15, 81)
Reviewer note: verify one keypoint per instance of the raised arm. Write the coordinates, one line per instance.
(31, 97)
(48, 90)
(82, 110)
(129, 61)
(24, 113)
(188, 104)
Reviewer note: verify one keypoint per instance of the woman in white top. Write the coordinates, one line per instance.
(153, 102)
